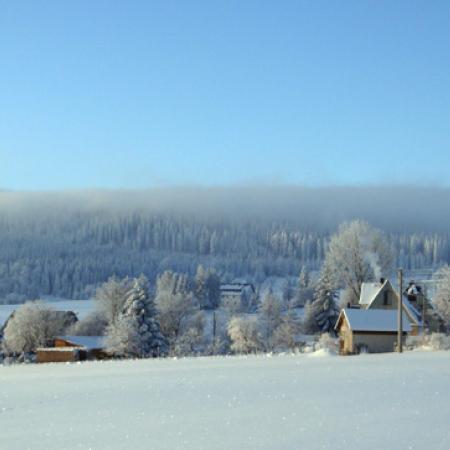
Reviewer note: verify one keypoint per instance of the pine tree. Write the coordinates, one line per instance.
(321, 314)
(136, 332)
(324, 306)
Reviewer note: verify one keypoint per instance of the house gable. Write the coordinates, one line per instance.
(387, 298)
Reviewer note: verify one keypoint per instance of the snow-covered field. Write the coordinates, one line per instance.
(285, 402)
(80, 307)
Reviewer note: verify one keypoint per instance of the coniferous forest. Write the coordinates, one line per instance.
(66, 244)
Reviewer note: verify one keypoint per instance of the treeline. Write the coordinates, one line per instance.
(70, 254)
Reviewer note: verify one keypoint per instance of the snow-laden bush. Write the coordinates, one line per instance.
(431, 342)
(33, 325)
(328, 343)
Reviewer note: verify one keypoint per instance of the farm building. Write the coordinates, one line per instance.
(73, 348)
(237, 296)
(372, 330)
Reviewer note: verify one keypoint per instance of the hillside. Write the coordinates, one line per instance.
(65, 244)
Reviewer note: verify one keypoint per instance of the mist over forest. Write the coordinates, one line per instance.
(66, 243)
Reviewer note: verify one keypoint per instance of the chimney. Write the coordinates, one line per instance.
(412, 292)
(382, 280)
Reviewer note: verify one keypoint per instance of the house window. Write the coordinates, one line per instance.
(386, 301)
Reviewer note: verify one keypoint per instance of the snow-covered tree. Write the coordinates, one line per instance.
(304, 290)
(285, 333)
(189, 341)
(244, 335)
(110, 297)
(303, 279)
(207, 288)
(322, 313)
(269, 318)
(33, 325)
(442, 297)
(136, 332)
(357, 253)
(309, 323)
(94, 324)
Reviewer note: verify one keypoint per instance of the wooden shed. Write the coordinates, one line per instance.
(371, 330)
(60, 354)
(73, 348)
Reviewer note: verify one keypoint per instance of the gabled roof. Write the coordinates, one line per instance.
(87, 342)
(369, 291)
(380, 320)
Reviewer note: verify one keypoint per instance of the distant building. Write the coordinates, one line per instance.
(370, 330)
(237, 296)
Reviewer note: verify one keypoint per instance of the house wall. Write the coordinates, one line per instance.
(378, 302)
(345, 338)
(71, 355)
(375, 342)
(233, 301)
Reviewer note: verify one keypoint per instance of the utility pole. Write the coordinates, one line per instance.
(400, 312)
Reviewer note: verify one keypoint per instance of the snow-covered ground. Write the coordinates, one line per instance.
(80, 307)
(285, 402)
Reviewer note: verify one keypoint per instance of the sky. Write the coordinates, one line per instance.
(110, 94)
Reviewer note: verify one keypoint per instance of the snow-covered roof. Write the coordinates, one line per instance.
(236, 287)
(369, 291)
(58, 349)
(412, 312)
(381, 320)
(87, 342)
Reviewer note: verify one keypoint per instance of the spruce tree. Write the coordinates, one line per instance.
(324, 306)
(136, 332)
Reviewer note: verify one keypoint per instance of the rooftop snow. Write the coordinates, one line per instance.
(374, 320)
(88, 342)
(368, 292)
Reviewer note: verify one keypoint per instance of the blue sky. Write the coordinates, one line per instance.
(141, 93)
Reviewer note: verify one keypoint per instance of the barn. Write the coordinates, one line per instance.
(371, 330)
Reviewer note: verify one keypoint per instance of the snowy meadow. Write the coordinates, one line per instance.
(287, 402)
